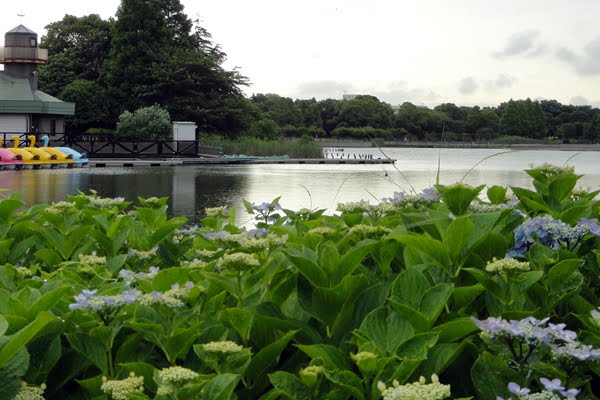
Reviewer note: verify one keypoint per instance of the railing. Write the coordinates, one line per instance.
(23, 54)
(117, 148)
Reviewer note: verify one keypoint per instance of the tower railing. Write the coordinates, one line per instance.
(23, 54)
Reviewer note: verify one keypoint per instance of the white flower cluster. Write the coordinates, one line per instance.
(172, 298)
(59, 207)
(105, 202)
(24, 272)
(415, 391)
(478, 206)
(119, 389)
(366, 230)
(129, 276)
(176, 374)
(90, 260)
(255, 243)
(322, 231)
(225, 347)
(27, 392)
(595, 314)
(237, 261)
(216, 211)
(354, 208)
(195, 264)
(506, 265)
(553, 170)
(142, 255)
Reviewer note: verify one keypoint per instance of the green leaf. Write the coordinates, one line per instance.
(20, 339)
(290, 385)
(491, 375)
(465, 295)
(333, 358)
(386, 329)
(434, 300)
(496, 194)
(410, 286)
(429, 248)
(3, 325)
(220, 387)
(562, 186)
(91, 349)
(458, 235)
(347, 381)
(455, 329)
(305, 262)
(327, 302)
(416, 319)
(48, 256)
(239, 319)
(352, 258)
(268, 357)
(416, 348)
(47, 301)
(561, 272)
(116, 262)
(166, 229)
(441, 356)
(459, 197)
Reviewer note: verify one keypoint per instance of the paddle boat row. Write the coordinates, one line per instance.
(39, 157)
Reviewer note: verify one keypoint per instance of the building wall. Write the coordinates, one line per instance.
(45, 124)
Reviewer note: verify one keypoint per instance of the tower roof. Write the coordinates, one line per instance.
(21, 29)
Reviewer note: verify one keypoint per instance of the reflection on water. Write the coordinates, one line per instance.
(193, 188)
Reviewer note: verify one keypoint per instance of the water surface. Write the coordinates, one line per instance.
(192, 188)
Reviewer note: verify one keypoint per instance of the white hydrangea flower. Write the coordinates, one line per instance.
(91, 259)
(118, 389)
(240, 260)
(176, 374)
(419, 390)
(225, 347)
(27, 392)
(506, 265)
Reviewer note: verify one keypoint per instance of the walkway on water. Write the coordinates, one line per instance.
(140, 162)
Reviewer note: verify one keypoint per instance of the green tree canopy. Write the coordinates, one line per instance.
(365, 111)
(523, 118)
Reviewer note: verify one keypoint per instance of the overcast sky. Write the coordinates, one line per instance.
(427, 52)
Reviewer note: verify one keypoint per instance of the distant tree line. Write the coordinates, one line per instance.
(152, 53)
(366, 117)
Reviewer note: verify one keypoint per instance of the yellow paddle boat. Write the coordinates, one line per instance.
(28, 158)
(58, 157)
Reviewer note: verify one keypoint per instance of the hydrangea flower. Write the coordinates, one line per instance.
(550, 232)
(88, 300)
(419, 390)
(506, 265)
(27, 392)
(224, 347)
(561, 342)
(119, 389)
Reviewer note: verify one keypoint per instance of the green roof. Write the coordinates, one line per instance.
(16, 97)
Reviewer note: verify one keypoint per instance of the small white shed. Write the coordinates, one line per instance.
(184, 130)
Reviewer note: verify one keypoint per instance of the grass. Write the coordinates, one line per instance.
(251, 146)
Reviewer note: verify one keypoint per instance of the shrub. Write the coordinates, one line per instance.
(146, 123)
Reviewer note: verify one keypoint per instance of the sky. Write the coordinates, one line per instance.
(467, 52)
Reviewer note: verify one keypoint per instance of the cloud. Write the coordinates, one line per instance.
(467, 85)
(395, 92)
(585, 64)
(579, 101)
(524, 43)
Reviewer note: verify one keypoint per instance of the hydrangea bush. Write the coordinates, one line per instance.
(493, 293)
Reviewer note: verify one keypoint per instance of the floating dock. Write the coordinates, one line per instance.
(121, 162)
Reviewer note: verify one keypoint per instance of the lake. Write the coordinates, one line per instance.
(192, 188)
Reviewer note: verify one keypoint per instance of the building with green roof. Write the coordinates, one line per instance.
(24, 108)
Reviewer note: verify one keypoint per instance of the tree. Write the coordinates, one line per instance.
(146, 123)
(264, 129)
(329, 110)
(92, 104)
(365, 111)
(77, 48)
(311, 116)
(523, 118)
(280, 109)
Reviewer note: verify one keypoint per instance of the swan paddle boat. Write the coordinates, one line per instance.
(79, 159)
(29, 159)
(57, 157)
(8, 159)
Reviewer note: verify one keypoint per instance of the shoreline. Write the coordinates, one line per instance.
(458, 145)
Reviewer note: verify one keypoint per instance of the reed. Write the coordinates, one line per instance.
(251, 146)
